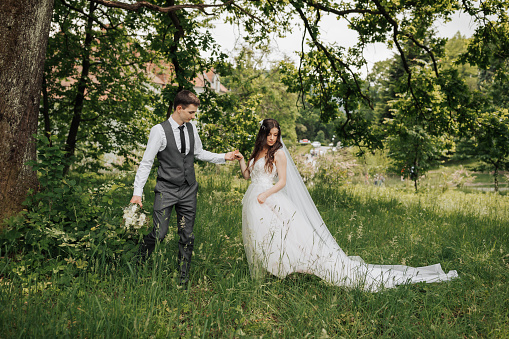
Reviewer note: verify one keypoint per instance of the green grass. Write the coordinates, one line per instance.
(302, 149)
(465, 232)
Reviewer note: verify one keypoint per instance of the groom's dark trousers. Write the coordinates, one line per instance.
(176, 187)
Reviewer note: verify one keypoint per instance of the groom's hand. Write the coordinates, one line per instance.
(136, 199)
(230, 156)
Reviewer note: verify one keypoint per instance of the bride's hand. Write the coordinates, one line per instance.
(262, 197)
(238, 155)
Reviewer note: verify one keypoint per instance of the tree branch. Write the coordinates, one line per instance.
(338, 12)
(261, 22)
(430, 53)
(332, 59)
(300, 67)
(103, 26)
(395, 34)
(145, 4)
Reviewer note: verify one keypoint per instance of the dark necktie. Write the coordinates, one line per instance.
(182, 140)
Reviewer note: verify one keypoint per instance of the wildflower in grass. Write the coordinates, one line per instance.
(394, 241)
(359, 231)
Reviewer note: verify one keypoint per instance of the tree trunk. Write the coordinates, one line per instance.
(416, 174)
(45, 110)
(70, 145)
(24, 28)
(179, 34)
(495, 175)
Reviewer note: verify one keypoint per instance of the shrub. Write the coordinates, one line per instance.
(330, 168)
(67, 219)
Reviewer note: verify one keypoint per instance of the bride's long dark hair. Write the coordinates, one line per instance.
(261, 142)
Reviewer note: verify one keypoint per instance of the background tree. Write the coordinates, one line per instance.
(251, 75)
(454, 48)
(230, 121)
(107, 101)
(491, 141)
(309, 124)
(415, 144)
(328, 73)
(96, 92)
(227, 123)
(25, 29)
(488, 51)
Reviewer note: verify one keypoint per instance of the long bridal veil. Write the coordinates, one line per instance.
(328, 260)
(298, 193)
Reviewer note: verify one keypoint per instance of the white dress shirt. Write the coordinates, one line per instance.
(157, 142)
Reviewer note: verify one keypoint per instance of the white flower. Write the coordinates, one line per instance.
(128, 221)
(141, 221)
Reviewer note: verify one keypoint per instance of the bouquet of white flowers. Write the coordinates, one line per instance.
(134, 217)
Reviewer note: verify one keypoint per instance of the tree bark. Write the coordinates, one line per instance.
(24, 28)
(495, 175)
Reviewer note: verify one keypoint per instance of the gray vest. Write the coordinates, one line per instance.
(175, 168)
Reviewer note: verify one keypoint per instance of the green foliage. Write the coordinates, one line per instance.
(251, 75)
(100, 94)
(320, 136)
(96, 93)
(326, 88)
(68, 220)
(178, 40)
(226, 123)
(491, 141)
(415, 144)
(488, 137)
(327, 78)
(231, 120)
(454, 48)
(309, 124)
(490, 42)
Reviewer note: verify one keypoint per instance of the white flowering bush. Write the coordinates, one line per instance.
(459, 178)
(335, 168)
(330, 168)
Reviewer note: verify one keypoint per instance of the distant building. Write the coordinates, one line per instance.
(213, 80)
(161, 77)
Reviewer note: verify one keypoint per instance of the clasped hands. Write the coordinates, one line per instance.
(235, 155)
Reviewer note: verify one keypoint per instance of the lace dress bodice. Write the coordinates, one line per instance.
(259, 176)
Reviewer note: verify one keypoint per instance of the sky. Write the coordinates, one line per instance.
(332, 30)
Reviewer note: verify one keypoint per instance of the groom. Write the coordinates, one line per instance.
(176, 144)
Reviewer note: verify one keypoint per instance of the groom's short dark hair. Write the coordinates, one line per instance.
(185, 98)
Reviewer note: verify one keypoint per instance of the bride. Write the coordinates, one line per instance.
(284, 233)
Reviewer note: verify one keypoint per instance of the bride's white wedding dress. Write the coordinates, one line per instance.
(279, 238)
